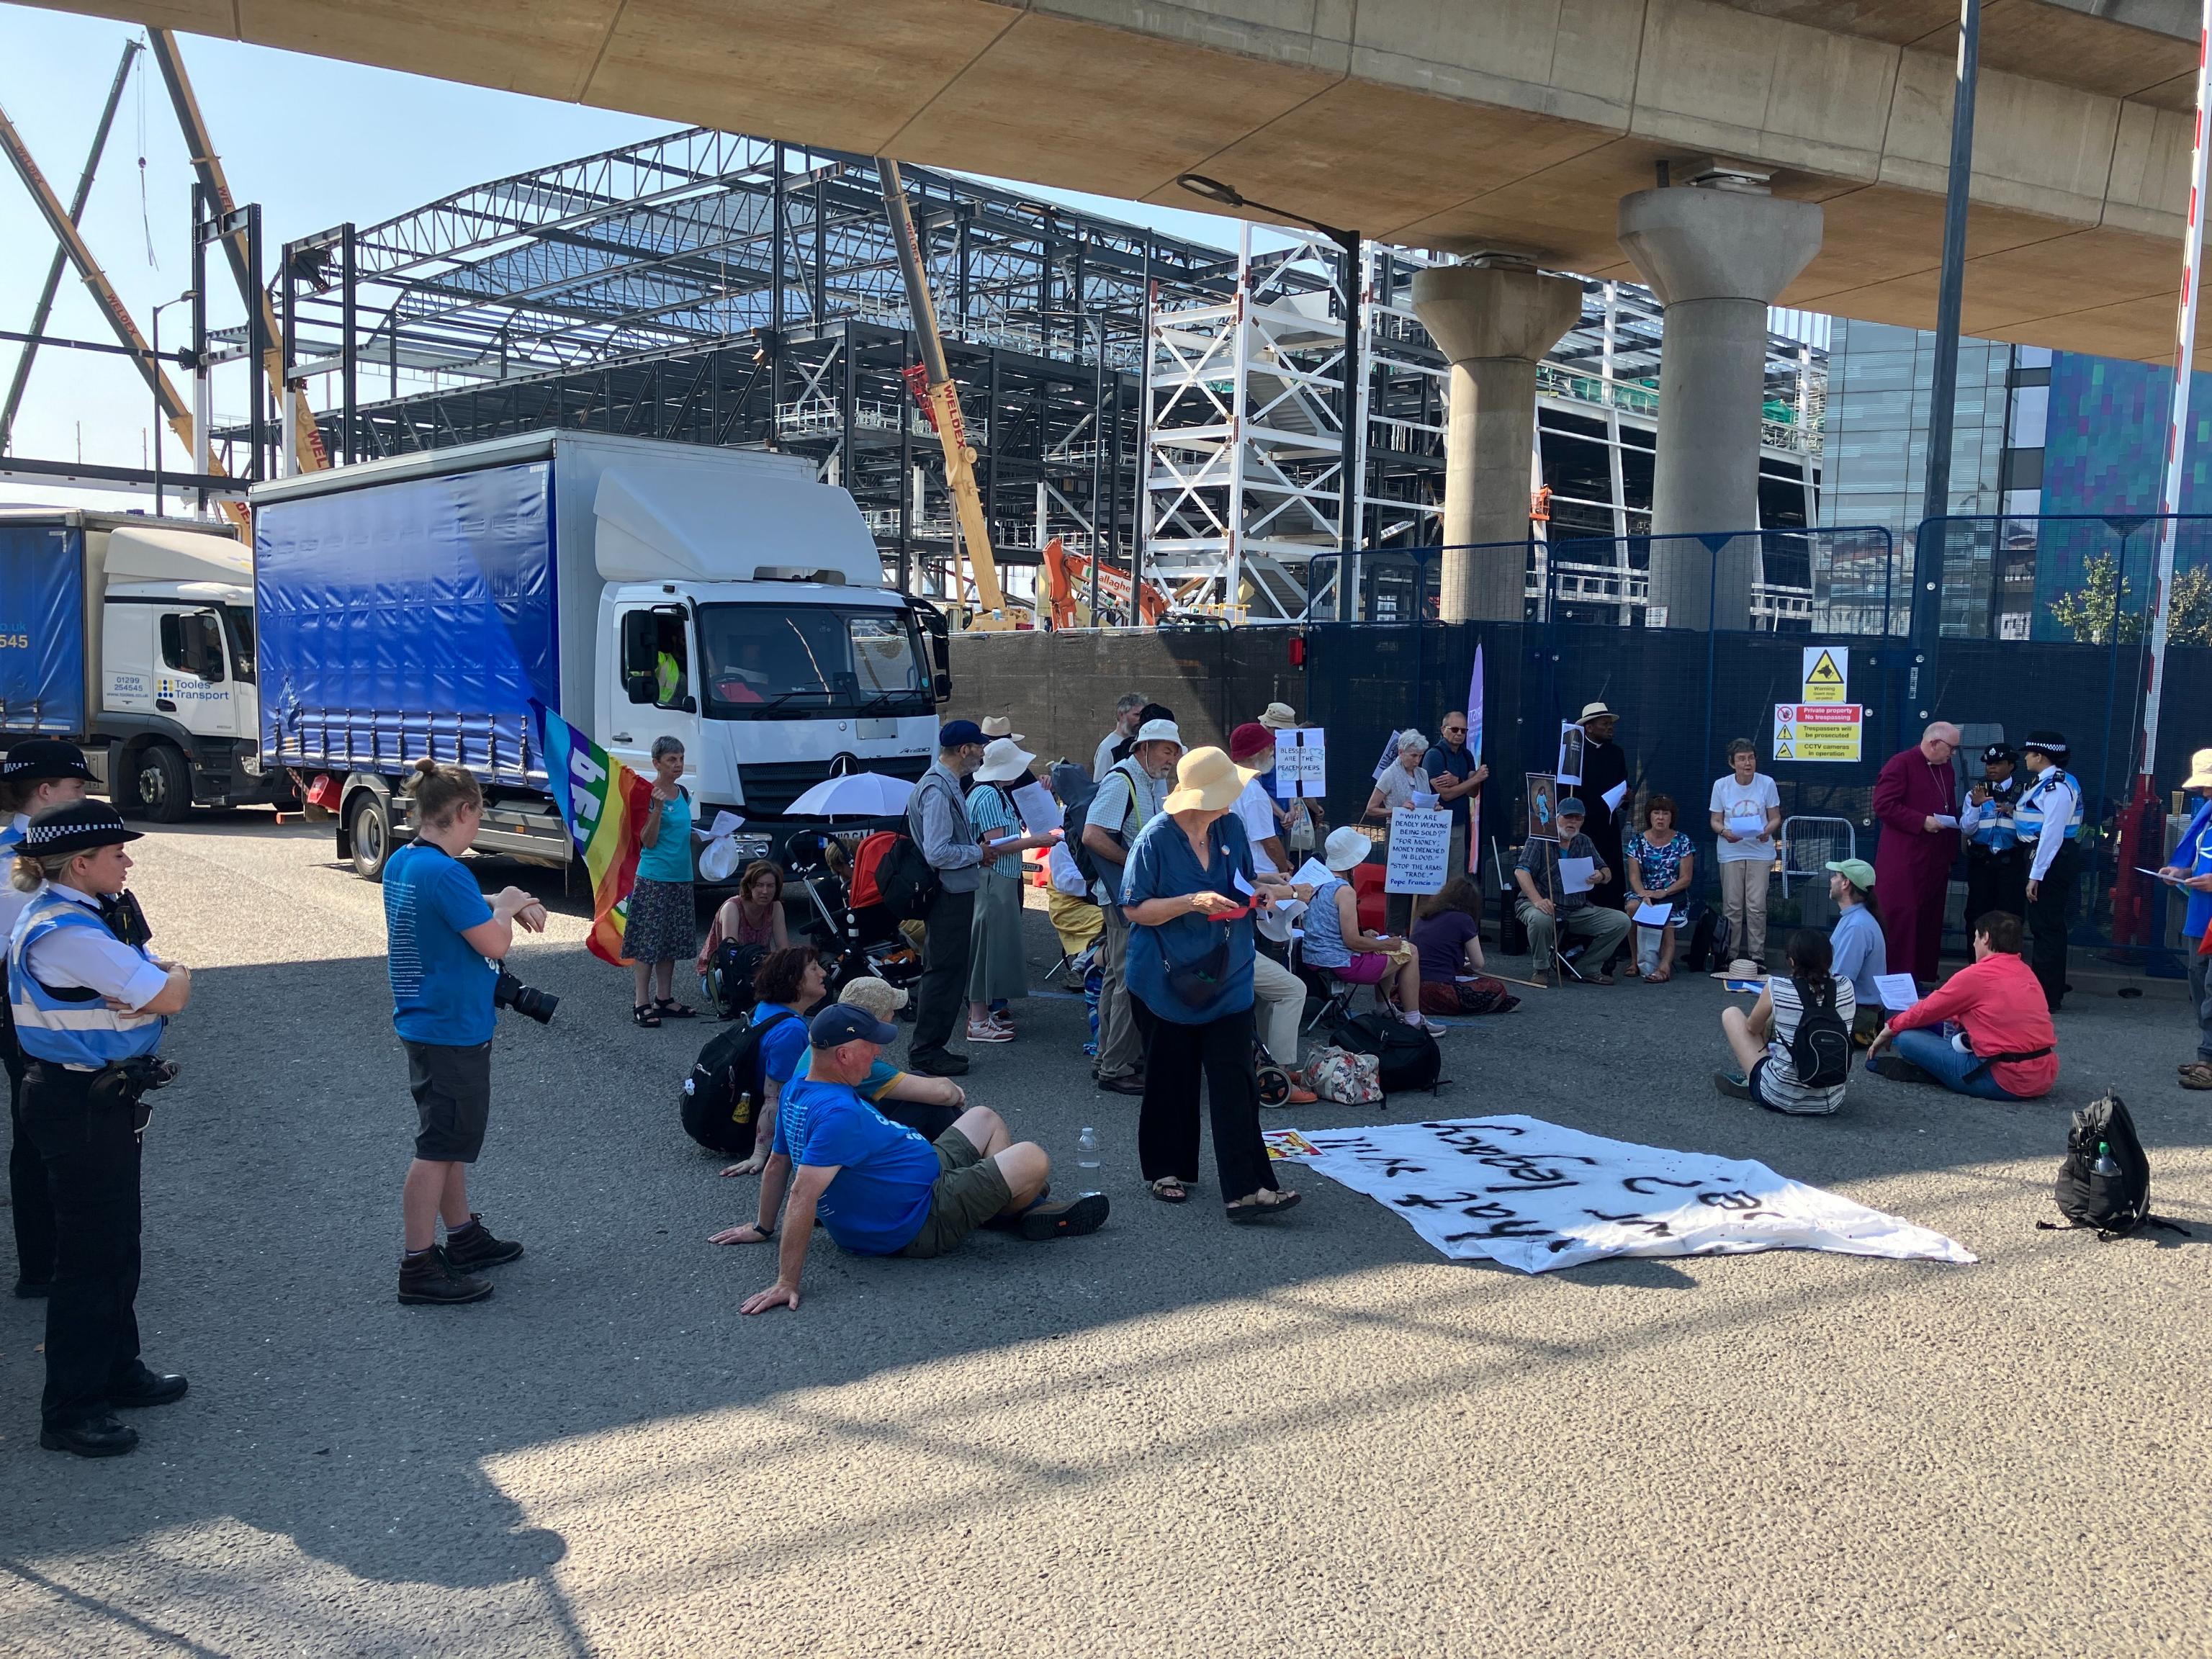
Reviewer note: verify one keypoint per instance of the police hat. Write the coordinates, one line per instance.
(2045, 742)
(82, 826)
(1996, 752)
(36, 759)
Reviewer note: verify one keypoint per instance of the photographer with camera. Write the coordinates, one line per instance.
(89, 1003)
(446, 945)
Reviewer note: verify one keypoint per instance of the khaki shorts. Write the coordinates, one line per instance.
(969, 1190)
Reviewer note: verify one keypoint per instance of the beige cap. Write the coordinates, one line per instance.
(877, 996)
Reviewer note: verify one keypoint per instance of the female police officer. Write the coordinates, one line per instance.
(89, 1009)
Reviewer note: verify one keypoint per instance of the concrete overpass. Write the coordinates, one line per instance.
(1812, 136)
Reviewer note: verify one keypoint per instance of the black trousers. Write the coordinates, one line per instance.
(2049, 915)
(30, 1205)
(1177, 1058)
(1995, 881)
(941, 998)
(91, 1156)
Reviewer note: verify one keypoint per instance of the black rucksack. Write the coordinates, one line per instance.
(1409, 1056)
(720, 1103)
(1820, 1049)
(1709, 944)
(1087, 860)
(730, 973)
(2113, 1199)
(906, 880)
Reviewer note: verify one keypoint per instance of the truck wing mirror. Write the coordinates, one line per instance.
(940, 644)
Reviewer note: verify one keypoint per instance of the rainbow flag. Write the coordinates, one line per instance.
(603, 802)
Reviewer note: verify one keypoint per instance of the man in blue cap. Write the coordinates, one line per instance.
(880, 1188)
(937, 818)
(1550, 908)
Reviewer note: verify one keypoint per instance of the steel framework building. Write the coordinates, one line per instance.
(1122, 388)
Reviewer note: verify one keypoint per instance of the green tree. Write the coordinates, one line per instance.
(2087, 613)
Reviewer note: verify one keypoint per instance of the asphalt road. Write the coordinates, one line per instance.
(1173, 1437)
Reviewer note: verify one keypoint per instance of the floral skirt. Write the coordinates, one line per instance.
(664, 923)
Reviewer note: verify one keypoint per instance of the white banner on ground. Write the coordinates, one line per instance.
(1421, 848)
(1532, 1196)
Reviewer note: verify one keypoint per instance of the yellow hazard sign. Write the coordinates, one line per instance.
(1828, 668)
(1818, 730)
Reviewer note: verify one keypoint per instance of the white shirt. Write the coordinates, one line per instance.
(1256, 810)
(1740, 803)
(1102, 761)
(2060, 801)
(79, 960)
(1060, 863)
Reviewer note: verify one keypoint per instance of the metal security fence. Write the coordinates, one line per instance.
(2082, 578)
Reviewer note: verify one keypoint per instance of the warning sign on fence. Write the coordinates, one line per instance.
(1827, 671)
(1817, 731)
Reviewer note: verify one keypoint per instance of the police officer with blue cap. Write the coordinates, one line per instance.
(89, 1003)
(1997, 863)
(2048, 821)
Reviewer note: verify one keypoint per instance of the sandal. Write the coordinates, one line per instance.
(1659, 976)
(1169, 1190)
(1259, 1209)
(669, 1008)
(647, 1016)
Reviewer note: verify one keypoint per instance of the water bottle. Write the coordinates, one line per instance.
(1087, 1167)
(2103, 1165)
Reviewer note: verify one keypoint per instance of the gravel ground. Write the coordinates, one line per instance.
(1173, 1437)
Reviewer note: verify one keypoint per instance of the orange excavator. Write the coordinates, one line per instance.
(1067, 589)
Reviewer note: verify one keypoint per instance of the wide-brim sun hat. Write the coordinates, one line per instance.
(1279, 717)
(1004, 760)
(1159, 731)
(997, 725)
(1345, 848)
(1592, 711)
(2200, 770)
(1207, 781)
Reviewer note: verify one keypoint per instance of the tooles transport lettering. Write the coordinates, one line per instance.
(133, 638)
(638, 589)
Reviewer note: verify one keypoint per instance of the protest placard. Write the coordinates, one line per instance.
(1420, 849)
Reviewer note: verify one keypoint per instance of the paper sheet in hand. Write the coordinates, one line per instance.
(1005, 840)
(1311, 873)
(1654, 916)
(1751, 828)
(1039, 810)
(1897, 991)
(725, 824)
(1535, 1196)
(1575, 875)
(1615, 796)
(1945, 819)
(1236, 880)
(2161, 875)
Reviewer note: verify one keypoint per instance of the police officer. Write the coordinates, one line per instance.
(1996, 864)
(2048, 821)
(38, 773)
(90, 1004)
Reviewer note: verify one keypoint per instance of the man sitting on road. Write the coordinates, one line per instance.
(883, 1190)
(2010, 1049)
(1547, 910)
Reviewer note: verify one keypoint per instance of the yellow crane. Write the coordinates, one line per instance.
(942, 400)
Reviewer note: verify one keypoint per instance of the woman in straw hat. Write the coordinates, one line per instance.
(1187, 893)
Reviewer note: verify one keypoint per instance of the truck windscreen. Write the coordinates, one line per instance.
(774, 661)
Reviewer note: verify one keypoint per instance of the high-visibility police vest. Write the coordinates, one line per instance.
(2027, 818)
(1999, 832)
(668, 678)
(73, 1028)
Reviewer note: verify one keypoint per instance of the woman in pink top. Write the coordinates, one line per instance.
(2011, 1051)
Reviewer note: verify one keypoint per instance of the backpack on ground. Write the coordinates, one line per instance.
(1408, 1055)
(1345, 1079)
(2104, 1180)
(730, 973)
(1087, 860)
(1820, 1047)
(1709, 944)
(721, 1103)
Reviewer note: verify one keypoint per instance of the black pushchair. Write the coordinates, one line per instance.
(853, 943)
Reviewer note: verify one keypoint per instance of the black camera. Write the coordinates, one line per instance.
(509, 992)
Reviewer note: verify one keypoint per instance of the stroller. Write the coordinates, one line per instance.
(855, 941)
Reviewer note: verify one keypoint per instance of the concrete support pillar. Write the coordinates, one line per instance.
(1716, 256)
(1495, 323)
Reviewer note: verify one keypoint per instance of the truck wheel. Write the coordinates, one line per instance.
(369, 828)
(161, 784)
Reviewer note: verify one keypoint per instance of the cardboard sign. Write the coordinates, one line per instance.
(1420, 851)
(1827, 673)
(1818, 730)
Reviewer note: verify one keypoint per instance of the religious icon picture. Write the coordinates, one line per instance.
(1543, 805)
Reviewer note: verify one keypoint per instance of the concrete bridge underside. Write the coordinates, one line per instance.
(1449, 123)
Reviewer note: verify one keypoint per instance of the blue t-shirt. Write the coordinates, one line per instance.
(1162, 866)
(1859, 953)
(2194, 853)
(782, 1048)
(669, 858)
(441, 987)
(880, 1195)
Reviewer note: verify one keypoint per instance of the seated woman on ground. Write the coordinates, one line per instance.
(2006, 1049)
(752, 915)
(1336, 942)
(1761, 1039)
(1448, 941)
(1661, 868)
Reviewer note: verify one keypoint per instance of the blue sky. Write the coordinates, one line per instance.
(314, 142)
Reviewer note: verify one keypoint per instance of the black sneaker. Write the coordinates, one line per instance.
(474, 1248)
(1733, 1084)
(945, 1065)
(429, 1278)
(94, 1436)
(1079, 1215)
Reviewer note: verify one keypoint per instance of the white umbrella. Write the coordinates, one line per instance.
(855, 795)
